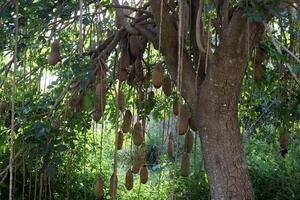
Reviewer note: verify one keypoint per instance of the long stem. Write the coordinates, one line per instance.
(12, 134)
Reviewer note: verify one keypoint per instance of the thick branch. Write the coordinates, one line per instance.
(169, 46)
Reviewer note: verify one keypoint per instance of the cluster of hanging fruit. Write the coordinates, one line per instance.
(130, 70)
(159, 80)
(184, 126)
(138, 165)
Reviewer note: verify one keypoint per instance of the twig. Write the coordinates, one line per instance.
(248, 130)
(15, 157)
(58, 100)
(280, 46)
(80, 28)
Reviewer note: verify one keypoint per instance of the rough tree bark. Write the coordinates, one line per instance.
(215, 106)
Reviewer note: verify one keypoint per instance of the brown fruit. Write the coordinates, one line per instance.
(157, 75)
(113, 186)
(167, 85)
(121, 100)
(129, 180)
(175, 107)
(283, 138)
(192, 124)
(101, 93)
(260, 55)
(257, 71)
(185, 165)
(127, 121)
(98, 189)
(137, 164)
(138, 134)
(120, 139)
(189, 140)
(137, 45)
(170, 147)
(183, 119)
(2, 108)
(54, 55)
(144, 174)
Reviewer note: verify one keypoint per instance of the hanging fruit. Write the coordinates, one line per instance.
(101, 93)
(137, 136)
(54, 55)
(185, 165)
(129, 180)
(183, 119)
(98, 189)
(167, 85)
(189, 140)
(192, 124)
(138, 160)
(113, 186)
(120, 140)
(157, 75)
(137, 44)
(144, 174)
(127, 121)
(283, 138)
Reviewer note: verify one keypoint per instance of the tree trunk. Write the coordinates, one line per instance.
(214, 104)
(220, 135)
